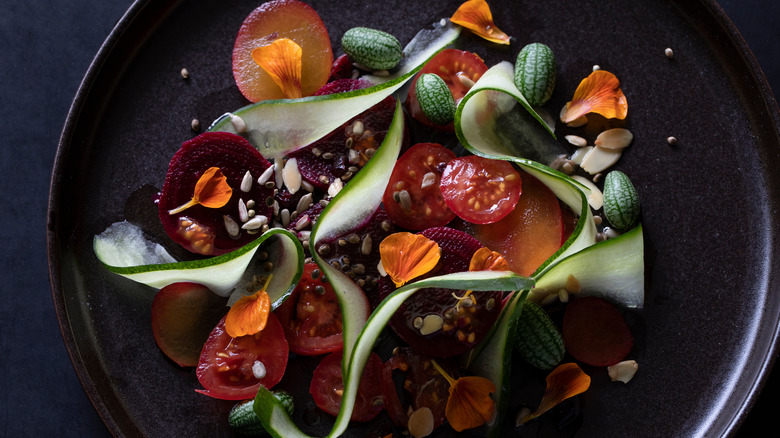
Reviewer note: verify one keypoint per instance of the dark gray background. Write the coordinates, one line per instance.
(46, 49)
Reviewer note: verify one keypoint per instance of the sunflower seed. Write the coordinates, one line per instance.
(304, 203)
(576, 140)
(284, 215)
(428, 180)
(231, 226)
(303, 222)
(246, 182)
(255, 223)
(357, 128)
(367, 245)
(238, 123)
(266, 175)
(243, 213)
(335, 187)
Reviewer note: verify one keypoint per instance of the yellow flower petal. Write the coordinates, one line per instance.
(484, 259)
(475, 15)
(249, 314)
(566, 380)
(211, 190)
(282, 60)
(598, 93)
(469, 404)
(406, 256)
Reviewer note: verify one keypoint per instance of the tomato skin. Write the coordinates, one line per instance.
(310, 311)
(480, 190)
(427, 207)
(327, 380)
(450, 65)
(238, 355)
(183, 315)
(281, 19)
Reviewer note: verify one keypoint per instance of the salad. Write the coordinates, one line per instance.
(426, 204)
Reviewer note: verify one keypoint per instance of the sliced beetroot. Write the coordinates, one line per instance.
(595, 332)
(464, 322)
(356, 253)
(341, 69)
(183, 315)
(204, 230)
(343, 152)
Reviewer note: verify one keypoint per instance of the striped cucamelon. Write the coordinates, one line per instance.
(538, 339)
(535, 70)
(371, 48)
(435, 99)
(621, 200)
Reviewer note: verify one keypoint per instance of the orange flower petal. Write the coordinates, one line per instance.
(406, 256)
(487, 260)
(248, 315)
(282, 60)
(211, 190)
(475, 15)
(469, 404)
(566, 380)
(598, 93)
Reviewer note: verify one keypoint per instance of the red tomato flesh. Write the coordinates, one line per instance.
(595, 332)
(225, 365)
(412, 198)
(327, 387)
(281, 19)
(183, 315)
(528, 235)
(311, 316)
(480, 190)
(458, 68)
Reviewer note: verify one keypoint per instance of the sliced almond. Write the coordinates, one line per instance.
(421, 422)
(623, 371)
(596, 197)
(576, 140)
(579, 154)
(615, 138)
(291, 175)
(599, 159)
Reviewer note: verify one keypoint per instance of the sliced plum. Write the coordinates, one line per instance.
(443, 322)
(214, 231)
(343, 152)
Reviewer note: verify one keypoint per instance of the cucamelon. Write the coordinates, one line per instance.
(435, 99)
(371, 48)
(621, 200)
(535, 70)
(538, 339)
(244, 421)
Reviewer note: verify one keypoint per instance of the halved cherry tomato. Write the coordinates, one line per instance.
(528, 235)
(480, 190)
(327, 387)
(281, 19)
(458, 68)
(311, 316)
(227, 367)
(412, 198)
(183, 315)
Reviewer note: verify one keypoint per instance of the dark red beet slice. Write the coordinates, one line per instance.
(595, 332)
(200, 229)
(357, 253)
(465, 323)
(343, 152)
(342, 68)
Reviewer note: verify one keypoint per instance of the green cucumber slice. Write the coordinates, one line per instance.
(613, 269)
(278, 127)
(488, 119)
(124, 250)
(350, 208)
(273, 414)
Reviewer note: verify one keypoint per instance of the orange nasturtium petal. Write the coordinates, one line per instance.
(469, 404)
(598, 93)
(475, 16)
(566, 380)
(282, 60)
(211, 190)
(406, 256)
(249, 314)
(487, 260)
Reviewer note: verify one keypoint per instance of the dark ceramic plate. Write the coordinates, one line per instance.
(708, 333)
